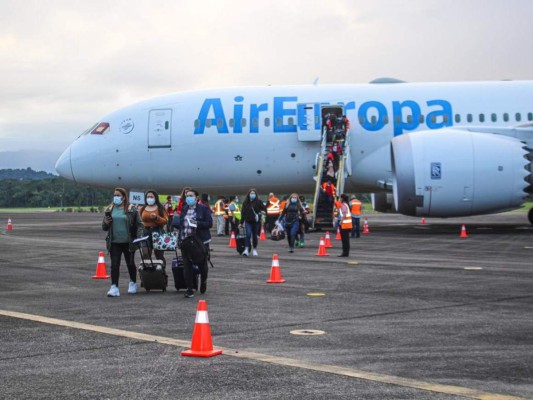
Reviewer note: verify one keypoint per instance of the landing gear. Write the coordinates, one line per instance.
(530, 216)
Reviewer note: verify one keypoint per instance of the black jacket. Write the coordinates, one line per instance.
(250, 209)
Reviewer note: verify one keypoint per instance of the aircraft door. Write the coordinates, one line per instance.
(309, 129)
(159, 128)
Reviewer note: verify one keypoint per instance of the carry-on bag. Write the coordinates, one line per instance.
(152, 272)
(179, 278)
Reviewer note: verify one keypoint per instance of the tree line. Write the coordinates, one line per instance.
(51, 192)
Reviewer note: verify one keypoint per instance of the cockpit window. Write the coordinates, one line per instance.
(100, 129)
(87, 131)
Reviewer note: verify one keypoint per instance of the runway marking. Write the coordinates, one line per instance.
(316, 294)
(288, 362)
(473, 268)
(528, 247)
(353, 262)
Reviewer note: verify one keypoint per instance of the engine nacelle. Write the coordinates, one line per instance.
(448, 173)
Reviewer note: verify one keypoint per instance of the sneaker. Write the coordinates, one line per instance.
(113, 292)
(291, 250)
(254, 253)
(296, 243)
(245, 253)
(189, 294)
(203, 287)
(302, 245)
(132, 289)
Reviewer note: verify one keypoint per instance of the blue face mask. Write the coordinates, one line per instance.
(252, 196)
(293, 200)
(190, 201)
(117, 200)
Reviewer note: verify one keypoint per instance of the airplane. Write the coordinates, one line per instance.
(422, 149)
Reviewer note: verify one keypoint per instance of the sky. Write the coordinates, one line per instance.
(64, 64)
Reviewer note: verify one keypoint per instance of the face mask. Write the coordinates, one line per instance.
(293, 200)
(150, 201)
(117, 200)
(252, 196)
(236, 200)
(190, 201)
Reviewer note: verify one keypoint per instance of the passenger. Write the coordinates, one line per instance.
(182, 200)
(304, 224)
(328, 190)
(169, 208)
(345, 223)
(219, 214)
(329, 169)
(252, 209)
(292, 214)
(355, 209)
(194, 223)
(272, 212)
(123, 224)
(155, 218)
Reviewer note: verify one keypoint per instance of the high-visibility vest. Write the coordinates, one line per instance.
(333, 190)
(355, 207)
(282, 205)
(346, 220)
(273, 207)
(237, 212)
(219, 207)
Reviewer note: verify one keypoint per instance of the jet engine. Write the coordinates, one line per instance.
(449, 172)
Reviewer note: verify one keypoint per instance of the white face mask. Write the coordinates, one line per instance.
(150, 201)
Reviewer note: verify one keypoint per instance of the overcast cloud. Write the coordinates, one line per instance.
(66, 63)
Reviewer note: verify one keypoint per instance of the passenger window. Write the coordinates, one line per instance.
(397, 120)
(421, 119)
(291, 121)
(409, 119)
(255, 123)
(385, 119)
(279, 121)
(445, 119)
(361, 120)
(196, 123)
(433, 119)
(469, 118)
(220, 123)
(373, 120)
(530, 116)
(208, 123)
(267, 122)
(457, 118)
(518, 117)
(506, 117)
(481, 117)
(231, 122)
(243, 122)
(493, 117)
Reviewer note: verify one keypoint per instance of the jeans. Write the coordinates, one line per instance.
(116, 251)
(356, 223)
(252, 230)
(292, 230)
(188, 273)
(221, 222)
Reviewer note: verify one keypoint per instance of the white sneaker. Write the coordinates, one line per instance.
(254, 253)
(245, 252)
(113, 292)
(132, 289)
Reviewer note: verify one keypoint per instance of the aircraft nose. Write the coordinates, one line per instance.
(64, 166)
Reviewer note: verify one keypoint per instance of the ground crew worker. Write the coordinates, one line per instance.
(219, 215)
(345, 223)
(169, 207)
(233, 211)
(283, 204)
(355, 210)
(329, 191)
(272, 212)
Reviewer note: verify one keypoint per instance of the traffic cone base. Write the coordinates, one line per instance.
(201, 344)
(101, 272)
(275, 272)
(328, 241)
(232, 241)
(338, 236)
(322, 249)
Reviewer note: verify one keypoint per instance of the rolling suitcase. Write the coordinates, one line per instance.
(152, 272)
(179, 278)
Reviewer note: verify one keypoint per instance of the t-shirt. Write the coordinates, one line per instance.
(120, 225)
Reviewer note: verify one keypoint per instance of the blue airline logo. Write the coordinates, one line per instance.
(371, 115)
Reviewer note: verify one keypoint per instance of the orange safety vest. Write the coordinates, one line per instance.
(273, 207)
(355, 206)
(333, 190)
(219, 207)
(346, 220)
(282, 205)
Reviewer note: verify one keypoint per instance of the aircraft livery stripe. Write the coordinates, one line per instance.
(312, 366)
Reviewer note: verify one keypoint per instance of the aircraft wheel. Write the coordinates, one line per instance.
(530, 216)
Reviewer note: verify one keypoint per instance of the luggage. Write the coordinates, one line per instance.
(277, 234)
(179, 278)
(152, 272)
(240, 240)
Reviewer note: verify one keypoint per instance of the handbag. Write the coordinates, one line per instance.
(165, 241)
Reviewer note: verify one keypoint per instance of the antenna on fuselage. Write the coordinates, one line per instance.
(315, 82)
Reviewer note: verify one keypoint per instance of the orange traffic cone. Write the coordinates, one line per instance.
(9, 225)
(423, 221)
(365, 227)
(328, 241)
(322, 249)
(338, 237)
(101, 273)
(463, 232)
(262, 236)
(275, 272)
(232, 241)
(201, 345)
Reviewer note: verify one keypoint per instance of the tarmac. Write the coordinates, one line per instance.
(415, 312)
